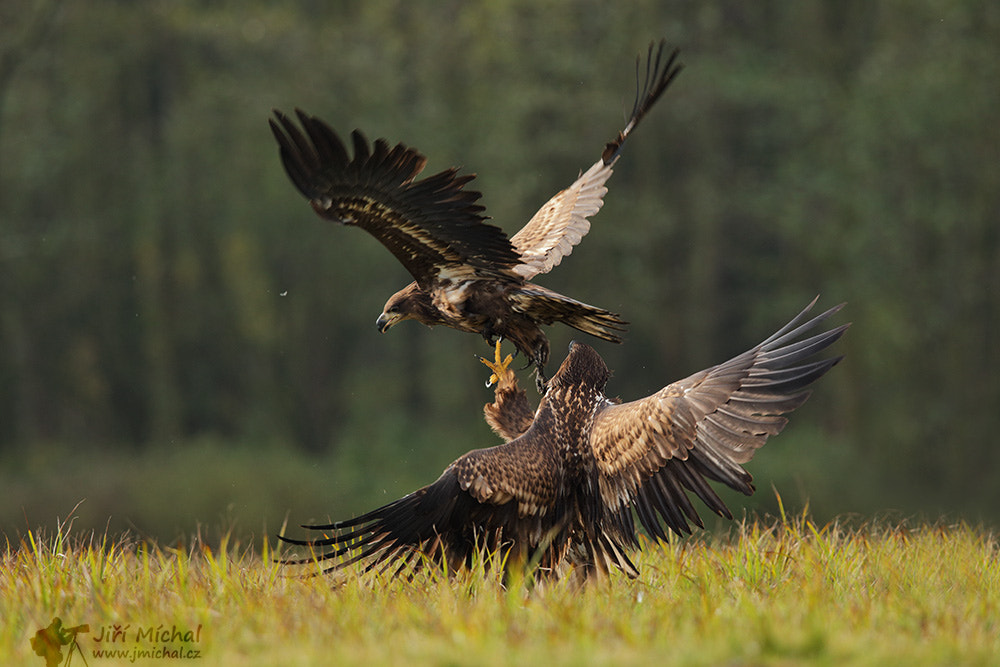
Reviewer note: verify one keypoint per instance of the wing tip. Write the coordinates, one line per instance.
(649, 88)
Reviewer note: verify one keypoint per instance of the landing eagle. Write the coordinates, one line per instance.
(564, 490)
(467, 273)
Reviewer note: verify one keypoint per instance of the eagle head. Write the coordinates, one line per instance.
(411, 302)
(582, 367)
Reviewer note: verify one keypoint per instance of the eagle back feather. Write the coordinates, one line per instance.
(525, 470)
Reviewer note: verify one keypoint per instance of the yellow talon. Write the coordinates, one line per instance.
(497, 366)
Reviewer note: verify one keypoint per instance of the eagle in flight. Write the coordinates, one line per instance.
(563, 491)
(467, 273)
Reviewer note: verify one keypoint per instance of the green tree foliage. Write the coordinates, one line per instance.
(162, 280)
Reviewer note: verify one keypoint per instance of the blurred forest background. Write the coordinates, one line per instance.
(185, 346)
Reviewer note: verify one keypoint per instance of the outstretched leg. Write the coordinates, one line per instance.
(499, 367)
(510, 414)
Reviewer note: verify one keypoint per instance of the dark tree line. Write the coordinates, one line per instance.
(162, 280)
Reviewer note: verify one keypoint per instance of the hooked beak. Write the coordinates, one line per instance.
(385, 321)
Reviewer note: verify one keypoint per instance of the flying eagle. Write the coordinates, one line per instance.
(467, 273)
(563, 491)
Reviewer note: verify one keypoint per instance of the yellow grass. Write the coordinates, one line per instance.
(773, 592)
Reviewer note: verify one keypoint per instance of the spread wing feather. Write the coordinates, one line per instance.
(485, 499)
(559, 225)
(651, 451)
(429, 224)
(524, 469)
(436, 521)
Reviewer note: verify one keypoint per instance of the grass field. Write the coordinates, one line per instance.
(772, 592)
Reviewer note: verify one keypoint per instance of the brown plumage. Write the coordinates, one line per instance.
(561, 492)
(510, 414)
(467, 273)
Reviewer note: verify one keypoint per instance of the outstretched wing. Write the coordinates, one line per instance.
(560, 224)
(487, 499)
(430, 225)
(651, 451)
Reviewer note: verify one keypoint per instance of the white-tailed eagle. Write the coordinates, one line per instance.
(467, 273)
(564, 490)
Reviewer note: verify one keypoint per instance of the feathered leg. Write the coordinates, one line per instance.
(510, 414)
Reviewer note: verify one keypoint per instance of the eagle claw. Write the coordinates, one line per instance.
(498, 365)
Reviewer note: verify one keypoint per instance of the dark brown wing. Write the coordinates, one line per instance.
(563, 221)
(651, 451)
(525, 470)
(486, 499)
(431, 225)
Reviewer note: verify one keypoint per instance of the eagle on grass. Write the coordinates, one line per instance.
(467, 273)
(563, 491)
